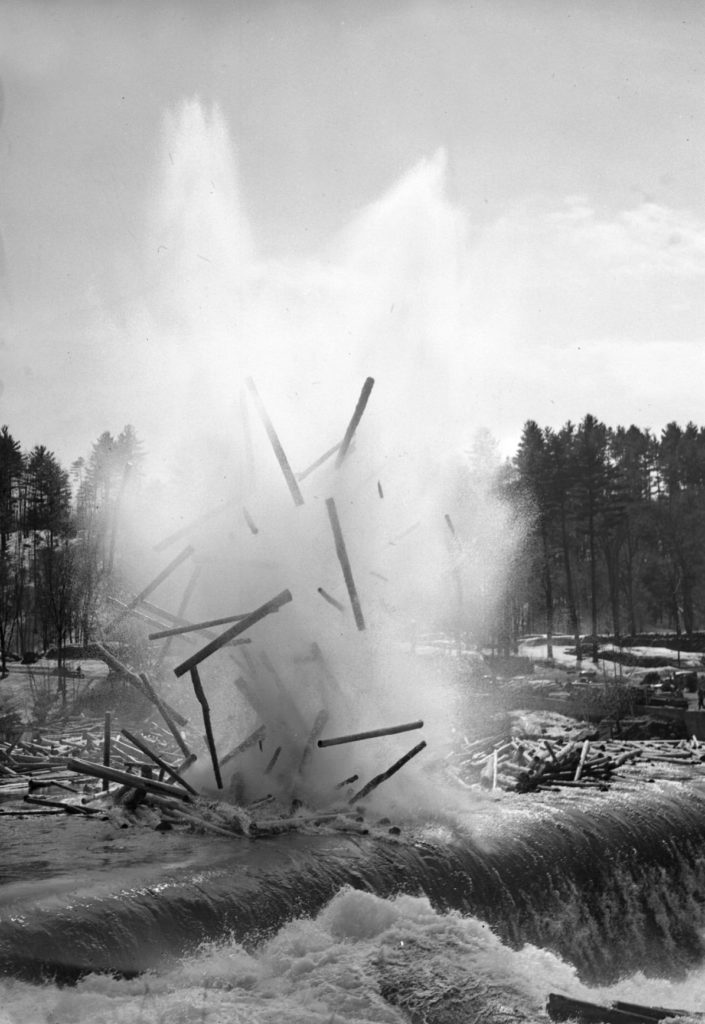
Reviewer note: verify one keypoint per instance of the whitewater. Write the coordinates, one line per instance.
(595, 896)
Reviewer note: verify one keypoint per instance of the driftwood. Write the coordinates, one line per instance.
(342, 554)
(331, 600)
(197, 627)
(370, 734)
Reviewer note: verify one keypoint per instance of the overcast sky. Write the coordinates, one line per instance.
(495, 205)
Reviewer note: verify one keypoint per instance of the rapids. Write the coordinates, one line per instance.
(599, 893)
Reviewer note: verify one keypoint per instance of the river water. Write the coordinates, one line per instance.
(472, 915)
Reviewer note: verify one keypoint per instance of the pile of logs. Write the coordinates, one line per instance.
(523, 765)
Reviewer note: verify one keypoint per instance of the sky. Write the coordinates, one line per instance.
(495, 208)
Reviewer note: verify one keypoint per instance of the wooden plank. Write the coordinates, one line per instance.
(356, 417)
(388, 730)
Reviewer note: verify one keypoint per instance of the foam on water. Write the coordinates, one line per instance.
(361, 960)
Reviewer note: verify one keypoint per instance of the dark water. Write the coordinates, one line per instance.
(480, 912)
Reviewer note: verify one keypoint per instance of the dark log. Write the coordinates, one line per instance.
(389, 730)
(164, 574)
(106, 746)
(240, 627)
(317, 728)
(76, 764)
(183, 605)
(201, 698)
(60, 805)
(197, 626)
(167, 713)
(379, 779)
(273, 760)
(319, 462)
(356, 417)
(276, 444)
(255, 736)
(342, 554)
(331, 600)
(145, 749)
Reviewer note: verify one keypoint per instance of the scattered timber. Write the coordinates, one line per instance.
(356, 417)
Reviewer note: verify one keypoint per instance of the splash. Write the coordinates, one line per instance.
(232, 333)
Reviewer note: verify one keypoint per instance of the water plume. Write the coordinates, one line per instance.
(263, 393)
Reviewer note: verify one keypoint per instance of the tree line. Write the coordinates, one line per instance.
(57, 539)
(616, 543)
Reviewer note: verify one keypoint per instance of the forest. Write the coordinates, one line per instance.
(57, 540)
(614, 537)
(617, 538)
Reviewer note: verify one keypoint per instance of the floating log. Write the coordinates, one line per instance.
(346, 782)
(389, 730)
(581, 762)
(342, 554)
(198, 626)
(240, 627)
(319, 462)
(378, 779)
(331, 600)
(145, 749)
(379, 489)
(356, 417)
(201, 698)
(276, 444)
(164, 574)
(255, 736)
(76, 764)
(106, 746)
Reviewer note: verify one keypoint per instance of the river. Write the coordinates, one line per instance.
(473, 914)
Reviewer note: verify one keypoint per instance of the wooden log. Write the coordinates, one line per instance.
(153, 584)
(319, 462)
(317, 728)
(167, 713)
(138, 742)
(201, 698)
(293, 486)
(273, 760)
(197, 627)
(354, 421)
(240, 627)
(106, 747)
(98, 771)
(331, 600)
(346, 782)
(581, 762)
(255, 736)
(183, 605)
(379, 779)
(342, 554)
(389, 730)
(61, 805)
(195, 821)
